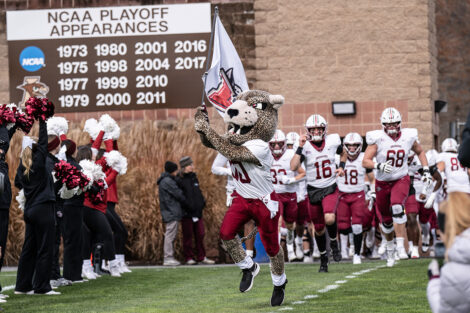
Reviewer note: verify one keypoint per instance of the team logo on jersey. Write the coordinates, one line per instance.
(32, 59)
(32, 87)
(222, 96)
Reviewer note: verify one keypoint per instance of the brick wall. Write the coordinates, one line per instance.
(377, 52)
(453, 28)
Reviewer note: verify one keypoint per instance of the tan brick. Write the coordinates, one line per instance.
(265, 5)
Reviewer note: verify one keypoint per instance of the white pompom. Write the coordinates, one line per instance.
(116, 161)
(93, 171)
(21, 199)
(92, 127)
(62, 124)
(110, 127)
(53, 127)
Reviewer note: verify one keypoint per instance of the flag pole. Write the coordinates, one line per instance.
(216, 13)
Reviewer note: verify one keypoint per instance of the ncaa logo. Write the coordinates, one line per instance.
(32, 59)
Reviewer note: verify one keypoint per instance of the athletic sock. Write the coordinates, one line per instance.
(357, 243)
(344, 243)
(290, 237)
(321, 242)
(332, 231)
(400, 242)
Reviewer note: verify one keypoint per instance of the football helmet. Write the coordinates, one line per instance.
(278, 143)
(292, 138)
(449, 145)
(350, 140)
(316, 127)
(391, 121)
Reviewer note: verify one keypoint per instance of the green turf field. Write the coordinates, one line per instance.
(203, 289)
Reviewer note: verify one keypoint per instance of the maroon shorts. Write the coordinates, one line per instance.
(350, 209)
(433, 219)
(371, 218)
(317, 211)
(411, 205)
(288, 206)
(302, 212)
(390, 193)
(241, 211)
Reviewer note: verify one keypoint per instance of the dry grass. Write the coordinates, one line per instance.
(147, 145)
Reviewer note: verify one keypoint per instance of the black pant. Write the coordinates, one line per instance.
(38, 248)
(119, 230)
(100, 230)
(72, 222)
(59, 231)
(4, 219)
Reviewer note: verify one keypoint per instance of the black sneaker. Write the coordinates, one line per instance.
(248, 276)
(335, 250)
(278, 295)
(323, 263)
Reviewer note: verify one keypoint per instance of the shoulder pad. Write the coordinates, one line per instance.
(334, 139)
(411, 132)
(373, 136)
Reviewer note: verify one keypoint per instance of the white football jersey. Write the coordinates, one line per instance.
(302, 187)
(456, 174)
(395, 150)
(281, 167)
(354, 176)
(320, 162)
(252, 181)
(218, 168)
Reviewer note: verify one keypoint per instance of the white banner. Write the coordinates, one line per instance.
(226, 76)
(108, 21)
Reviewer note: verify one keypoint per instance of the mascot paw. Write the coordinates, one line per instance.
(201, 121)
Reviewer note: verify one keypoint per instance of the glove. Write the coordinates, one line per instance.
(429, 203)
(433, 270)
(385, 167)
(371, 195)
(427, 178)
(195, 219)
(287, 180)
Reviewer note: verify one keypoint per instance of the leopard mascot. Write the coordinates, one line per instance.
(251, 122)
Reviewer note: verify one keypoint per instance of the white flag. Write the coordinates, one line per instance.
(226, 76)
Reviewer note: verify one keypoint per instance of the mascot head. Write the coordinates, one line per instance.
(252, 116)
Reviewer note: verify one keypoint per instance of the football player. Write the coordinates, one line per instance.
(301, 229)
(351, 206)
(391, 146)
(455, 173)
(317, 150)
(420, 200)
(284, 182)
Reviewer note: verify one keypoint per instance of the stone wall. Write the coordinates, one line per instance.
(379, 53)
(453, 31)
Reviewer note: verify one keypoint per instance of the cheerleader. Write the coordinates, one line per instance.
(35, 263)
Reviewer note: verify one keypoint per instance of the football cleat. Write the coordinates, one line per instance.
(278, 295)
(351, 250)
(323, 263)
(415, 253)
(390, 253)
(402, 253)
(335, 250)
(290, 252)
(382, 247)
(316, 252)
(248, 277)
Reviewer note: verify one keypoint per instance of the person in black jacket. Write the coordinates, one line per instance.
(464, 149)
(5, 190)
(72, 225)
(35, 263)
(171, 197)
(192, 223)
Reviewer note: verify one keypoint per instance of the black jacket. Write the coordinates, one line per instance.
(38, 186)
(5, 197)
(195, 200)
(171, 198)
(464, 150)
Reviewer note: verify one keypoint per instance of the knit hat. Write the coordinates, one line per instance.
(170, 167)
(185, 161)
(54, 143)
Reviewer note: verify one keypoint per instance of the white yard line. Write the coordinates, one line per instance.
(11, 287)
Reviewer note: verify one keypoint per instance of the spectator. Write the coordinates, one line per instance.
(449, 289)
(464, 150)
(171, 197)
(192, 220)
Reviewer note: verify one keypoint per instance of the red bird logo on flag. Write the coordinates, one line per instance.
(222, 96)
